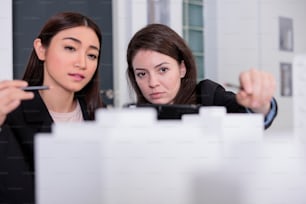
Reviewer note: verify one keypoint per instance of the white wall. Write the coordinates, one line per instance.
(271, 56)
(243, 34)
(6, 40)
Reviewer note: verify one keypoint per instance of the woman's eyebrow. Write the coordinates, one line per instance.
(139, 68)
(73, 39)
(156, 66)
(79, 42)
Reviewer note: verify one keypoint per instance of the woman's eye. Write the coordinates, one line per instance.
(70, 48)
(92, 57)
(163, 69)
(140, 74)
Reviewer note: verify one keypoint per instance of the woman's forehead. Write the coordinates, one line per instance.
(82, 33)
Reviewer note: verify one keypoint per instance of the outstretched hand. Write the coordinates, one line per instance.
(11, 95)
(257, 90)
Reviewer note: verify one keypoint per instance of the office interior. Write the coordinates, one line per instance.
(236, 35)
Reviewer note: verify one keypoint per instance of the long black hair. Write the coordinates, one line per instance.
(35, 70)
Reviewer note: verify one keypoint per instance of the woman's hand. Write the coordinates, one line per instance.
(11, 95)
(257, 90)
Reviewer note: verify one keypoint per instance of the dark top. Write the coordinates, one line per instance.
(17, 149)
(210, 93)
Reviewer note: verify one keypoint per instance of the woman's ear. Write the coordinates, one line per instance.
(183, 69)
(39, 49)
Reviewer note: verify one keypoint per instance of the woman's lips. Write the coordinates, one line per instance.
(156, 95)
(77, 77)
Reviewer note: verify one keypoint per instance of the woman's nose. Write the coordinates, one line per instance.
(81, 62)
(153, 81)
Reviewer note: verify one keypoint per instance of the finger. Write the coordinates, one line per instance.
(251, 82)
(10, 100)
(269, 86)
(256, 81)
(243, 98)
(266, 90)
(263, 87)
(9, 107)
(258, 92)
(2, 119)
(246, 82)
(12, 83)
(12, 94)
(4, 110)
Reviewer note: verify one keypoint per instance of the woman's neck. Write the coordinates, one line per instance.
(58, 101)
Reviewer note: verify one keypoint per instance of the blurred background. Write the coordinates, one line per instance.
(226, 37)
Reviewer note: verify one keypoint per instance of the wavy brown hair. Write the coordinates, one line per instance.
(162, 39)
(35, 68)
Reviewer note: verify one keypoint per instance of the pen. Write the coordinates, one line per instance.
(33, 88)
(235, 86)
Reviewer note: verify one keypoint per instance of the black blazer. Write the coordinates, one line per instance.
(210, 93)
(17, 149)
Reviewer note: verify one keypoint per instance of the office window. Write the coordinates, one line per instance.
(158, 11)
(193, 31)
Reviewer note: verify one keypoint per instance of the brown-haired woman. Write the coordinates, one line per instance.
(162, 70)
(65, 58)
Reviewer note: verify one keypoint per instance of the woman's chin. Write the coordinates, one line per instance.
(159, 101)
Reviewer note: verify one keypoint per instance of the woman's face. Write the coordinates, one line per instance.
(158, 76)
(71, 59)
